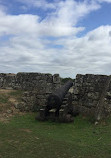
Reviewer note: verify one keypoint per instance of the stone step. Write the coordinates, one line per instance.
(52, 114)
(42, 113)
(42, 109)
(64, 106)
(65, 99)
(64, 102)
(61, 112)
(52, 110)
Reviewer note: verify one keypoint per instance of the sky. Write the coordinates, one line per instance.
(68, 37)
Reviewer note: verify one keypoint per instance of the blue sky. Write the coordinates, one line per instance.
(55, 36)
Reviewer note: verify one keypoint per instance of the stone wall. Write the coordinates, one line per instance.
(91, 93)
(30, 81)
(107, 101)
(36, 87)
(7, 80)
(88, 93)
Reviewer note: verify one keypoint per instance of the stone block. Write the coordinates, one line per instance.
(56, 78)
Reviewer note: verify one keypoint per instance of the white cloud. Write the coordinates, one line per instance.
(68, 13)
(29, 24)
(64, 17)
(91, 53)
(88, 54)
(60, 23)
(29, 49)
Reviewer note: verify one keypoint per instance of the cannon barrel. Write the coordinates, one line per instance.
(56, 98)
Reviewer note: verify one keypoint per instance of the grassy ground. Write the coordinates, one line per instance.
(24, 137)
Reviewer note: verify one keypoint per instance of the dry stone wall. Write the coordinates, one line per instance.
(30, 81)
(37, 87)
(7, 81)
(89, 91)
(107, 101)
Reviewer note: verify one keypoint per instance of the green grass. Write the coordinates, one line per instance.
(3, 98)
(16, 93)
(24, 137)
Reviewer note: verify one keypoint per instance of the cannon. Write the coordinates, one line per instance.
(54, 101)
(58, 103)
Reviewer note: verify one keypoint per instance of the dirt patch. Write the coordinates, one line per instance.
(5, 91)
(7, 102)
(26, 130)
(12, 100)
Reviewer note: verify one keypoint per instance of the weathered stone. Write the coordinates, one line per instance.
(89, 90)
(36, 86)
(56, 78)
(9, 111)
(108, 95)
(16, 105)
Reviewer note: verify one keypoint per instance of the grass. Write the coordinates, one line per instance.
(3, 98)
(24, 137)
(16, 94)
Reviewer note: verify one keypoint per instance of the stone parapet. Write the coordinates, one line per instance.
(89, 90)
(36, 87)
